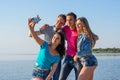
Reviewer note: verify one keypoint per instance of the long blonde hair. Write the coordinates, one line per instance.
(87, 30)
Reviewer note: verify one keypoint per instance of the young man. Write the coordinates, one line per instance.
(71, 38)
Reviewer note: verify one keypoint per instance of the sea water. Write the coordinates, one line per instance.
(19, 67)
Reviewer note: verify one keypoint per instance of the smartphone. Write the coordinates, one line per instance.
(36, 19)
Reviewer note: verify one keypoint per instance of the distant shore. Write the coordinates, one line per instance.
(106, 50)
(107, 54)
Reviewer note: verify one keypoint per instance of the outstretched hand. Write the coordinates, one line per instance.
(30, 23)
(32, 33)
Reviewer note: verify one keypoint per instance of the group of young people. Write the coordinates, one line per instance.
(76, 55)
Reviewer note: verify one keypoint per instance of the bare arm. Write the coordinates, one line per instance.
(52, 71)
(33, 34)
(39, 32)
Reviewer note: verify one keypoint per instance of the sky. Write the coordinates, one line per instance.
(103, 17)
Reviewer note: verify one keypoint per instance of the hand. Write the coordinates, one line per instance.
(29, 20)
(48, 78)
(75, 58)
(59, 24)
(30, 23)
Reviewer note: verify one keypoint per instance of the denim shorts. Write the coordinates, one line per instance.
(88, 60)
(40, 73)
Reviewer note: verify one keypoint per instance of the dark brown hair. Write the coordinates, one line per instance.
(63, 16)
(61, 47)
(72, 14)
(90, 34)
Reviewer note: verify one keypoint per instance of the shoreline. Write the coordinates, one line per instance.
(107, 54)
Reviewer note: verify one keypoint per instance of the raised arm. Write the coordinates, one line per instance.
(37, 32)
(31, 26)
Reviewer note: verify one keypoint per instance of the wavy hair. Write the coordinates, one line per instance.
(87, 30)
(61, 47)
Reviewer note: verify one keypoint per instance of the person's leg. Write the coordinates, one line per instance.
(77, 70)
(86, 73)
(77, 67)
(36, 78)
(65, 70)
(91, 77)
(57, 72)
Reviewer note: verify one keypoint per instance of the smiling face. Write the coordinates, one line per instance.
(59, 23)
(70, 21)
(56, 40)
(79, 26)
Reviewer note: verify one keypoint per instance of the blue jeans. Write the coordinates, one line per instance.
(88, 60)
(67, 66)
(57, 72)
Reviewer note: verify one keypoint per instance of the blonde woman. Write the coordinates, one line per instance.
(84, 57)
